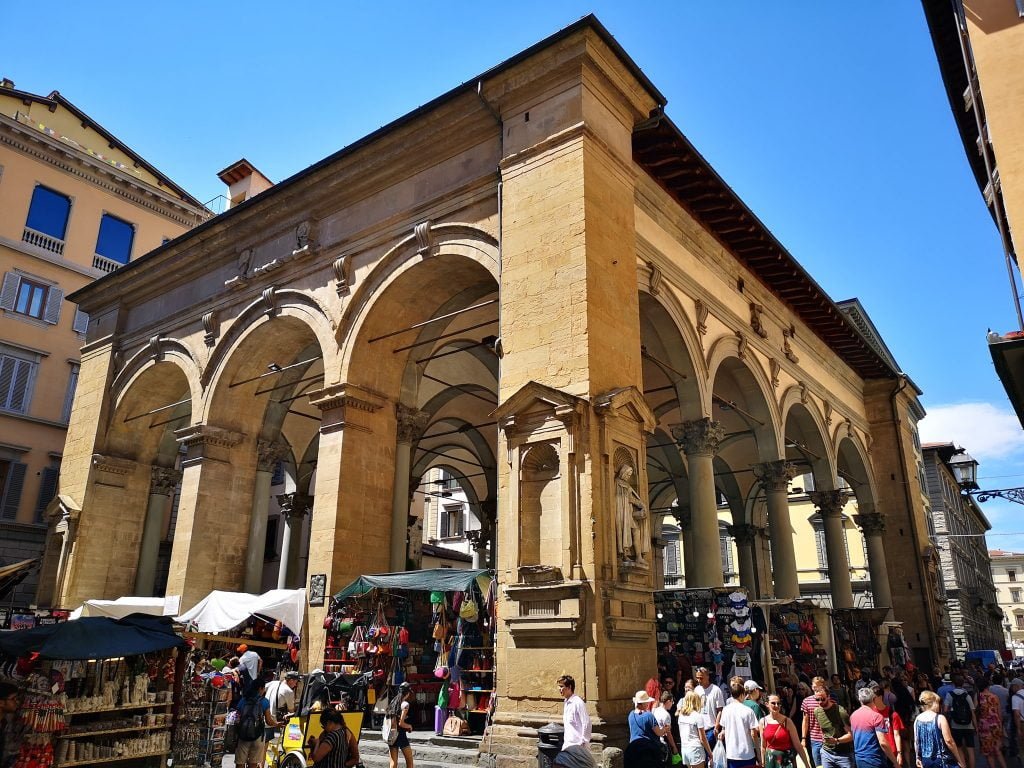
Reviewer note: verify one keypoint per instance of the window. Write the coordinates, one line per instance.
(31, 297)
(672, 556)
(1015, 595)
(819, 546)
(451, 521)
(48, 213)
(726, 547)
(115, 239)
(16, 379)
(69, 395)
(12, 479)
(1011, 574)
(47, 490)
(1020, 620)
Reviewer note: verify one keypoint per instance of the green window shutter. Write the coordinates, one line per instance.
(47, 490)
(12, 491)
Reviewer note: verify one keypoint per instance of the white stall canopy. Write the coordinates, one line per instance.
(126, 606)
(220, 611)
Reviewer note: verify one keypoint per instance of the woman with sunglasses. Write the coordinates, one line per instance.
(780, 743)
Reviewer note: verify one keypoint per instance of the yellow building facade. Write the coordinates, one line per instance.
(536, 284)
(76, 204)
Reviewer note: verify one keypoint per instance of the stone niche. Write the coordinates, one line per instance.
(629, 529)
(541, 532)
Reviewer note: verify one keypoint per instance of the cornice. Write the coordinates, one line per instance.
(27, 141)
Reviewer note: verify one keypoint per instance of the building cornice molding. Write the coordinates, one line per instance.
(38, 253)
(40, 146)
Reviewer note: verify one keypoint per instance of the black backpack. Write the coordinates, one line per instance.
(960, 711)
(250, 721)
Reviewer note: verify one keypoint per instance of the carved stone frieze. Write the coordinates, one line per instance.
(700, 437)
(207, 435)
(113, 465)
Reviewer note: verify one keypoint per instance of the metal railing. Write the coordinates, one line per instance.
(42, 240)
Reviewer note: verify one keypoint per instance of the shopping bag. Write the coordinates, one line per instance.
(718, 756)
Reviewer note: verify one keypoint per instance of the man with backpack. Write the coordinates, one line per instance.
(253, 719)
(960, 708)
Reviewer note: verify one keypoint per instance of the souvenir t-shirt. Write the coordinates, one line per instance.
(737, 723)
(866, 724)
(741, 664)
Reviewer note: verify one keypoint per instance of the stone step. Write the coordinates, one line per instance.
(429, 750)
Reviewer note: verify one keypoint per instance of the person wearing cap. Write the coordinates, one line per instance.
(753, 699)
(576, 727)
(644, 750)
(249, 664)
(281, 695)
(738, 729)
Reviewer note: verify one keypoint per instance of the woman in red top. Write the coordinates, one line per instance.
(780, 743)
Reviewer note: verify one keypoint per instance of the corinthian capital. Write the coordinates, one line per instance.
(744, 534)
(295, 505)
(163, 481)
(411, 423)
(775, 475)
(268, 453)
(829, 503)
(700, 437)
(870, 523)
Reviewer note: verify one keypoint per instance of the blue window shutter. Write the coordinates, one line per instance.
(47, 490)
(12, 491)
(48, 212)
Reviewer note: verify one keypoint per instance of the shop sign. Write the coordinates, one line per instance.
(23, 621)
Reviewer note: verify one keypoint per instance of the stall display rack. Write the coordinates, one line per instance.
(202, 722)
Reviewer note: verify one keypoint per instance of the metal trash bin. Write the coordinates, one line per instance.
(549, 744)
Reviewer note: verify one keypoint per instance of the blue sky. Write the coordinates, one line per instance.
(828, 119)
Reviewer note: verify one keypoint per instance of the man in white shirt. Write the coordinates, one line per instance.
(281, 695)
(576, 726)
(738, 725)
(714, 701)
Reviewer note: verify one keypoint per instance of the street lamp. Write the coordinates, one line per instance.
(965, 469)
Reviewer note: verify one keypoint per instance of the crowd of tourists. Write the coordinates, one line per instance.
(886, 720)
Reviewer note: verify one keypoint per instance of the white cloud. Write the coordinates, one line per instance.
(987, 432)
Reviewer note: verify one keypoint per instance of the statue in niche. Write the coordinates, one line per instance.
(631, 519)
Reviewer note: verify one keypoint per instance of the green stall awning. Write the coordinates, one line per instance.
(429, 580)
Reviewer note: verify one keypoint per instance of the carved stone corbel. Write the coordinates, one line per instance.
(425, 246)
(269, 299)
(741, 350)
(209, 328)
(342, 267)
(775, 368)
(655, 280)
(787, 347)
(828, 413)
(756, 322)
(702, 313)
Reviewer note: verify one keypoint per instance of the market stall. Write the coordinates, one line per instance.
(713, 628)
(859, 637)
(432, 628)
(96, 690)
(800, 644)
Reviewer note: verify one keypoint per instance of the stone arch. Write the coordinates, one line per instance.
(154, 384)
(732, 361)
(805, 438)
(447, 243)
(852, 465)
(279, 303)
(664, 323)
(157, 350)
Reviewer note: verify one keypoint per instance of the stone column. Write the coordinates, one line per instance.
(488, 532)
(161, 489)
(411, 424)
(268, 453)
(830, 506)
(872, 526)
(774, 477)
(685, 521)
(699, 440)
(744, 535)
(294, 507)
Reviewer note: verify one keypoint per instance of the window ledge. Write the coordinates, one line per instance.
(26, 319)
(33, 419)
